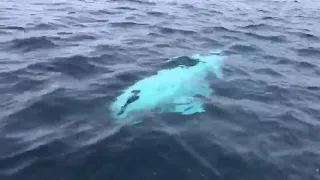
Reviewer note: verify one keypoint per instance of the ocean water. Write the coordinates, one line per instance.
(63, 62)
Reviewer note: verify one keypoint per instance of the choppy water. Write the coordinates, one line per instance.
(64, 62)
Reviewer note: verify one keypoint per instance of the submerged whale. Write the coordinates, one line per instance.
(171, 90)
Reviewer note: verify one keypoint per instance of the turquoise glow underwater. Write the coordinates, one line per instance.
(171, 90)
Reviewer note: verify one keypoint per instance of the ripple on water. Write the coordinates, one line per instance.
(105, 12)
(157, 13)
(306, 35)
(310, 51)
(4, 33)
(75, 37)
(76, 66)
(127, 24)
(304, 64)
(219, 29)
(139, 2)
(13, 28)
(126, 8)
(245, 48)
(64, 33)
(256, 27)
(262, 121)
(32, 43)
(313, 88)
(268, 71)
(169, 30)
(272, 38)
(44, 26)
(40, 155)
(283, 61)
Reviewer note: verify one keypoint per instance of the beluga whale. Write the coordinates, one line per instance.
(173, 90)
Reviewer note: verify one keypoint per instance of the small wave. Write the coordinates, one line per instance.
(268, 71)
(108, 48)
(23, 83)
(59, 4)
(79, 25)
(212, 11)
(104, 12)
(313, 88)
(237, 70)
(234, 38)
(263, 11)
(11, 8)
(277, 92)
(273, 18)
(126, 8)
(290, 117)
(305, 64)
(33, 43)
(162, 45)
(39, 3)
(12, 169)
(46, 26)
(3, 32)
(33, 157)
(154, 34)
(268, 17)
(146, 2)
(256, 26)
(80, 37)
(210, 30)
(126, 24)
(143, 2)
(59, 9)
(317, 72)
(47, 108)
(307, 36)
(236, 89)
(13, 28)
(242, 48)
(168, 30)
(137, 41)
(211, 42)
(133, 17)
(310, 51)
(156, 13)
(64, 33)
(280, 60)
(187, 6)
(279, 38)
(127, 77)
(75, 66)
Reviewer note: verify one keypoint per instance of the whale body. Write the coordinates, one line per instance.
(171, 90)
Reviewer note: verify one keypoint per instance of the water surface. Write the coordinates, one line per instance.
(64, 62)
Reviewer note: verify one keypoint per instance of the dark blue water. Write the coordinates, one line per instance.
(63, 62)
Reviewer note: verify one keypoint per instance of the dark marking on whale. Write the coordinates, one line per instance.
(133, 98)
